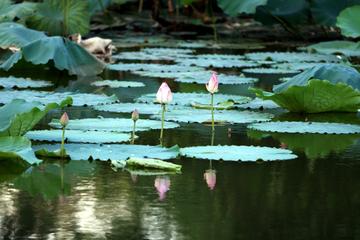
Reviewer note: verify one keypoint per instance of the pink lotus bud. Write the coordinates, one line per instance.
(135, 115)
(64, 120)
(164, 94)
(210, 178)
(162, 185)
(213, 85)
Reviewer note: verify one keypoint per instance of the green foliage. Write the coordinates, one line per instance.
(349, 21)
(17, 147)
(134, 162)
(234, 8)
(348, 48)
(10, 12)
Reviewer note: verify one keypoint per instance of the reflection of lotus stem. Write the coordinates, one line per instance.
(212, 113)
(133, 133)
(212, 137)
(163, 107)
(62, 175)
(62, 148)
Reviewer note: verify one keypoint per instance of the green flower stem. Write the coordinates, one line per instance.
(133, 133)
(212, 113)
(163, 107)
(62, 148)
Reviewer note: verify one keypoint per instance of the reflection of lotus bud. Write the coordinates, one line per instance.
(162, 185)
(213, 85)
(210, 178)
(164, 94)
(135, 115)
(64, 120)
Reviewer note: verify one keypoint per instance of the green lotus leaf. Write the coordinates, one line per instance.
(296, 66)
(14, 82)
(135, 162)
(19, 116)
(141, 56)
(237, 153)
(221, 106)
(306, 127)
(148, 172)
(9, 12)
(258, 103)
(234, 8)
(186, 99)
(117, 152)
(290, 57)
(152, 67)
(17, 147)
(117, 84)
(349, 22)
(144, 108)
(79, 99)
(10, 61)
(112, 124)
(348, 48)
(79, 136)
(216, 63)
(318, 96)
(270, 71)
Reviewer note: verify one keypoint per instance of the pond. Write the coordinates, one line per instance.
(315, 196)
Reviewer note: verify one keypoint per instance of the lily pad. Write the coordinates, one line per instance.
(117, 84)
(348, 48)
(152, 67)
(17, 147)
(186, 99)
(190, 115)
(306, 127)
(220, 106)
(237, 153)
(300, 66)
(291, 57)
(258, 103)
(79, 99)
(79, 136)
(12, 82)
(144, 108)
(118, 152)
(168, 51)
(134, 162)
(203, 78)
(216, 63)
(270, 71)
(112, 124)
(141, 56)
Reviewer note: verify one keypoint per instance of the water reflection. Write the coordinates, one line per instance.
(162, 185)
(210, 178)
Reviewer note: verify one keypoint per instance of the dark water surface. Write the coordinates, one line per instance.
(316, 196)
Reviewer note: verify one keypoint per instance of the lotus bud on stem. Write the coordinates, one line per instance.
(64, 120)
(212, 86)
(134, 117)
(163, 96)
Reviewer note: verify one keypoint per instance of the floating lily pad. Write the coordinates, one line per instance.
(216, 63)
(291, 57)
(117, 84)
(306, 127)
(141, 56)
(112, 124)
(348, 48)
(168, 51)
(258, 103)
(186, 99)
(152, 67)
(79, 99)
(106, 152)
(144, 108)
(220, 106)
(12, 82)
(17, 147)
(190, 115)
(79, 136)
(237, 153)
(300, 66)
(134, 162)
(203, 78)
(270, 71)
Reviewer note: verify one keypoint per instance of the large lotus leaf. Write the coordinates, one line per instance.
(349, 22)
(270, 70)
(216, 63)
(19, 116)
(306, 127)
(152, 67)
(234, 8)
(61, 17)
(65, 54)
(347, 48)
(186, 99)
(106, 152)
(117, 84)
(151, 163)
(190, 115)
(313, 145)
(325, 12)
(10, 61)
(144, 108)
(112, 124)
(14, 82)
(237, 153)
(79, 99)
(334, 73)
(291, 57)
(14, 34)
(17, 147)
(79, 136)
(318, 96)
(9, 12)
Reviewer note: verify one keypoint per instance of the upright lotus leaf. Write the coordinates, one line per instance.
(237, 153)
(17, 147)
(14, 34)
(11, 60)
(61, 17)
(349, 22)
(234, 8)
(19, 116)
(106, 152)
(9, 12)
(317, 96)
(348, 48)
(65, 54)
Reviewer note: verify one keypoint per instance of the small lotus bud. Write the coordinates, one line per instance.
(135, 115)
(164, 94)
(64, 120)
(213, 85)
